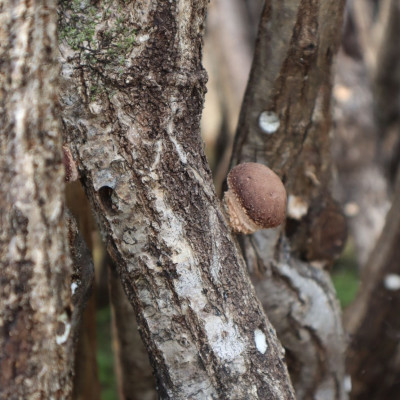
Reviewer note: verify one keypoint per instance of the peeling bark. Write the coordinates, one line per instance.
(285, 124)
(35, 271)
(131, 110)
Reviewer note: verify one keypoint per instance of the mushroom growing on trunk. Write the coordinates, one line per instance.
(256, 198)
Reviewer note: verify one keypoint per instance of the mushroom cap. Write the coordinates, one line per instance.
(260, 193)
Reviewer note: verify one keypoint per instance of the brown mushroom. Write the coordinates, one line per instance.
(256, 198)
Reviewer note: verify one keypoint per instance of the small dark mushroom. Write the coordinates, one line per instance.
(256, 198)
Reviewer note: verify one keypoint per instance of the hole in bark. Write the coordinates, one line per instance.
(105, 196)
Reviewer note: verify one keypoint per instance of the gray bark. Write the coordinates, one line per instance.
(290, 83)
(36, 326)
(132, 93)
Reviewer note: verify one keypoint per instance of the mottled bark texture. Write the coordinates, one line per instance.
(35, 272)
(373, 319)
(285, 124)
(132, 94)
(136, 380)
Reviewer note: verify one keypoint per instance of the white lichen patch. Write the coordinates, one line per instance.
(222, 334)
(95, 108)
(392, 282)
(74, 286)
(143, 38)
(342, 93)
(158, 147)
(351, 209)
(54, 209)
(297, 208)
(347, 384)
(269, 122)
(261, 341)
(63, 319)
(224, 338)
(104, 178)
(179, 150)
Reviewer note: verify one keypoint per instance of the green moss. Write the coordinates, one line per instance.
(95, 91)
(79, 31)
(346, 284)
(345, 276)
(101, 34)
(105, 356)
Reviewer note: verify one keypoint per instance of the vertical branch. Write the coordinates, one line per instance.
(35, 271)
(386, 87)
(373, 319)
(285, 123)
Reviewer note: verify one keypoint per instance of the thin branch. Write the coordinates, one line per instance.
(285, 124)
(373, 319)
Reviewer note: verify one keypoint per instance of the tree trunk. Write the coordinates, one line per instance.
(285, 123)
(35, 271)
(132, 95)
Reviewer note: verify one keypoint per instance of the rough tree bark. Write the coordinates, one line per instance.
(136, 381)
(133, 89)
(36, 323)
(285, 124)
